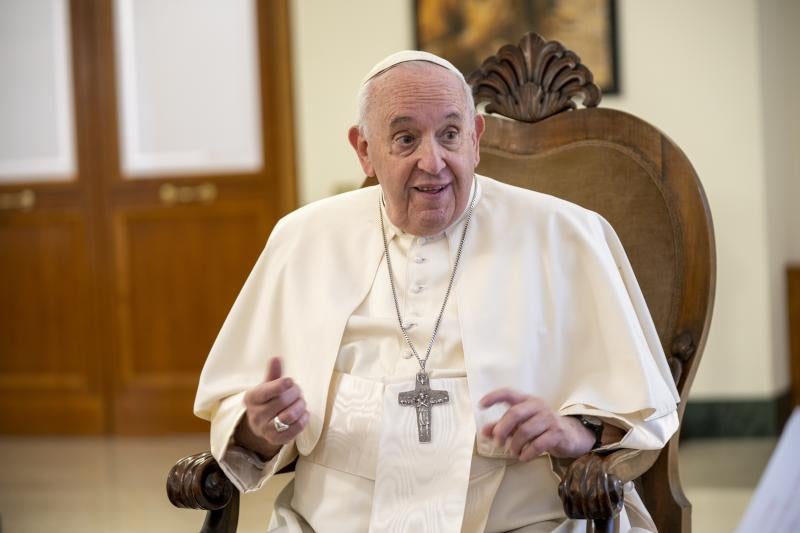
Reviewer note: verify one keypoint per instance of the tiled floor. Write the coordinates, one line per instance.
(94, 485)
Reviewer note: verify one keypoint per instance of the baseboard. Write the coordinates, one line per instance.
(736, 418)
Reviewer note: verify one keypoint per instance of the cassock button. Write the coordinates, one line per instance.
(418, 289)
(419, 259)
(407, 354)
(409, 325)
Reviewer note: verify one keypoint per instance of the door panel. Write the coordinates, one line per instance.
(48, 351)
(179, 270)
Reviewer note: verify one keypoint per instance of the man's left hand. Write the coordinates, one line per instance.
(534, 428)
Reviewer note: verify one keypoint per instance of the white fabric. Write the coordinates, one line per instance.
(545, 299)
(423, 487)
(340, 473)
(368, 446)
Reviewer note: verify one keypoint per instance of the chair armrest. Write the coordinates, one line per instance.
(592, 485)
(197, 482)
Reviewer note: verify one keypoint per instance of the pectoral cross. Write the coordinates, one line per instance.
(422, 397)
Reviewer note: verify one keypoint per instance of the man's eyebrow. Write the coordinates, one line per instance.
(402, 119)
(397, 121)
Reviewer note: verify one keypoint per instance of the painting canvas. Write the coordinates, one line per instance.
(467, 31)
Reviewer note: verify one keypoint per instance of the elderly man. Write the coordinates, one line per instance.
(426, 349)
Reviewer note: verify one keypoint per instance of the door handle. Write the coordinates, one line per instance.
(22, 200)
(170, 194)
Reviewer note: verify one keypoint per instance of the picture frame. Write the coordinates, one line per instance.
(466, 32)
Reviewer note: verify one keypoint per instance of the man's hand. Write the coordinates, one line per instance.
(534, 428)
(276, 396)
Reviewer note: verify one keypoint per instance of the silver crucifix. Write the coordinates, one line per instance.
(422, 397)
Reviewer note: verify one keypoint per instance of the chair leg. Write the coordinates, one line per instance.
(223, 520)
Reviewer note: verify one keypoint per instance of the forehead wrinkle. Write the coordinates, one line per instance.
(409, 85)
(401, 110)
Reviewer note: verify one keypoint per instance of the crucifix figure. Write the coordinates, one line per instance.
(422, 397)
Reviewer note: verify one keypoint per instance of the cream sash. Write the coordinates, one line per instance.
(423, 486)
(417, 486)
(370, 472)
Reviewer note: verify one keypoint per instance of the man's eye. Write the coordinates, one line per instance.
(451, 135)
(404, 140)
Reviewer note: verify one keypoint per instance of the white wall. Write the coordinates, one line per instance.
(334, 44)
(698, 79)
(780, 75)
(691, 68)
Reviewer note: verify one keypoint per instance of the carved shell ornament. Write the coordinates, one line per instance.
(533, 80)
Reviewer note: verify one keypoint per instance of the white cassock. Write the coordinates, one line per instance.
(544, 302)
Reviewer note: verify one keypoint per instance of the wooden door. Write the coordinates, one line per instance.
(50, 372)
(176, 214)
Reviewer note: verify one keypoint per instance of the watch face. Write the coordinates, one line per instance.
(595, 425)
(592, 421)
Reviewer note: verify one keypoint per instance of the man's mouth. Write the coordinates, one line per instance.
(431, 189)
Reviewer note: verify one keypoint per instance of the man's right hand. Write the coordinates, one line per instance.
(275, 396)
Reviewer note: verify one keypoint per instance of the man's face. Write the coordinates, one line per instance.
(421, 144)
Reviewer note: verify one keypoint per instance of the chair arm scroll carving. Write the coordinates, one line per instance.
(592, 487)
(197, 482)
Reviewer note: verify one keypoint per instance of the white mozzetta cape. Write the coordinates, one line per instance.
(547, 303)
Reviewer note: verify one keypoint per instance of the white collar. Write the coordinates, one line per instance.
(452, 229)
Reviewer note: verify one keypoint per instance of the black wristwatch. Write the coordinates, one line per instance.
(593, 424)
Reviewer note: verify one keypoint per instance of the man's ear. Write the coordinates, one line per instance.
(477, 133)
(359, 144)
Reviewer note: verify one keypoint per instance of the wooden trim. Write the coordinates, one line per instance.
(86, 414)
(84, 49)
(29, 381)
(793, 304)
(107, 121)
(277, 113)
(102, 153)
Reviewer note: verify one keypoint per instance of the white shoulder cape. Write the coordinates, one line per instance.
(547, 301)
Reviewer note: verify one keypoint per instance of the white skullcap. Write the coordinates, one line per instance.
(409, 55)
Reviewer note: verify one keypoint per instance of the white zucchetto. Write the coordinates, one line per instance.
(409, 55)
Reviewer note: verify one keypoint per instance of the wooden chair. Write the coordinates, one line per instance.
(642, 183)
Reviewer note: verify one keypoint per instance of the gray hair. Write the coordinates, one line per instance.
(364, 96)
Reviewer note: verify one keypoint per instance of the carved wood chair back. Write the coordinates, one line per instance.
(632, 174)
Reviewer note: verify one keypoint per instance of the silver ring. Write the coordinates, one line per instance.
(280, 426)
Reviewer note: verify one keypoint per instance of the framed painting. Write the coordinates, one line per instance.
(467, 31)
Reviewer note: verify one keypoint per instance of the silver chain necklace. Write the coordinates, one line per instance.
(423, 397)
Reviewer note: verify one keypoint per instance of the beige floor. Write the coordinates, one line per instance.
(93, 485)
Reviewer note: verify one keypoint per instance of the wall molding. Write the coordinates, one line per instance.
(736, 418)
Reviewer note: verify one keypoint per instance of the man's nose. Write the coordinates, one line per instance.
(431, 158)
